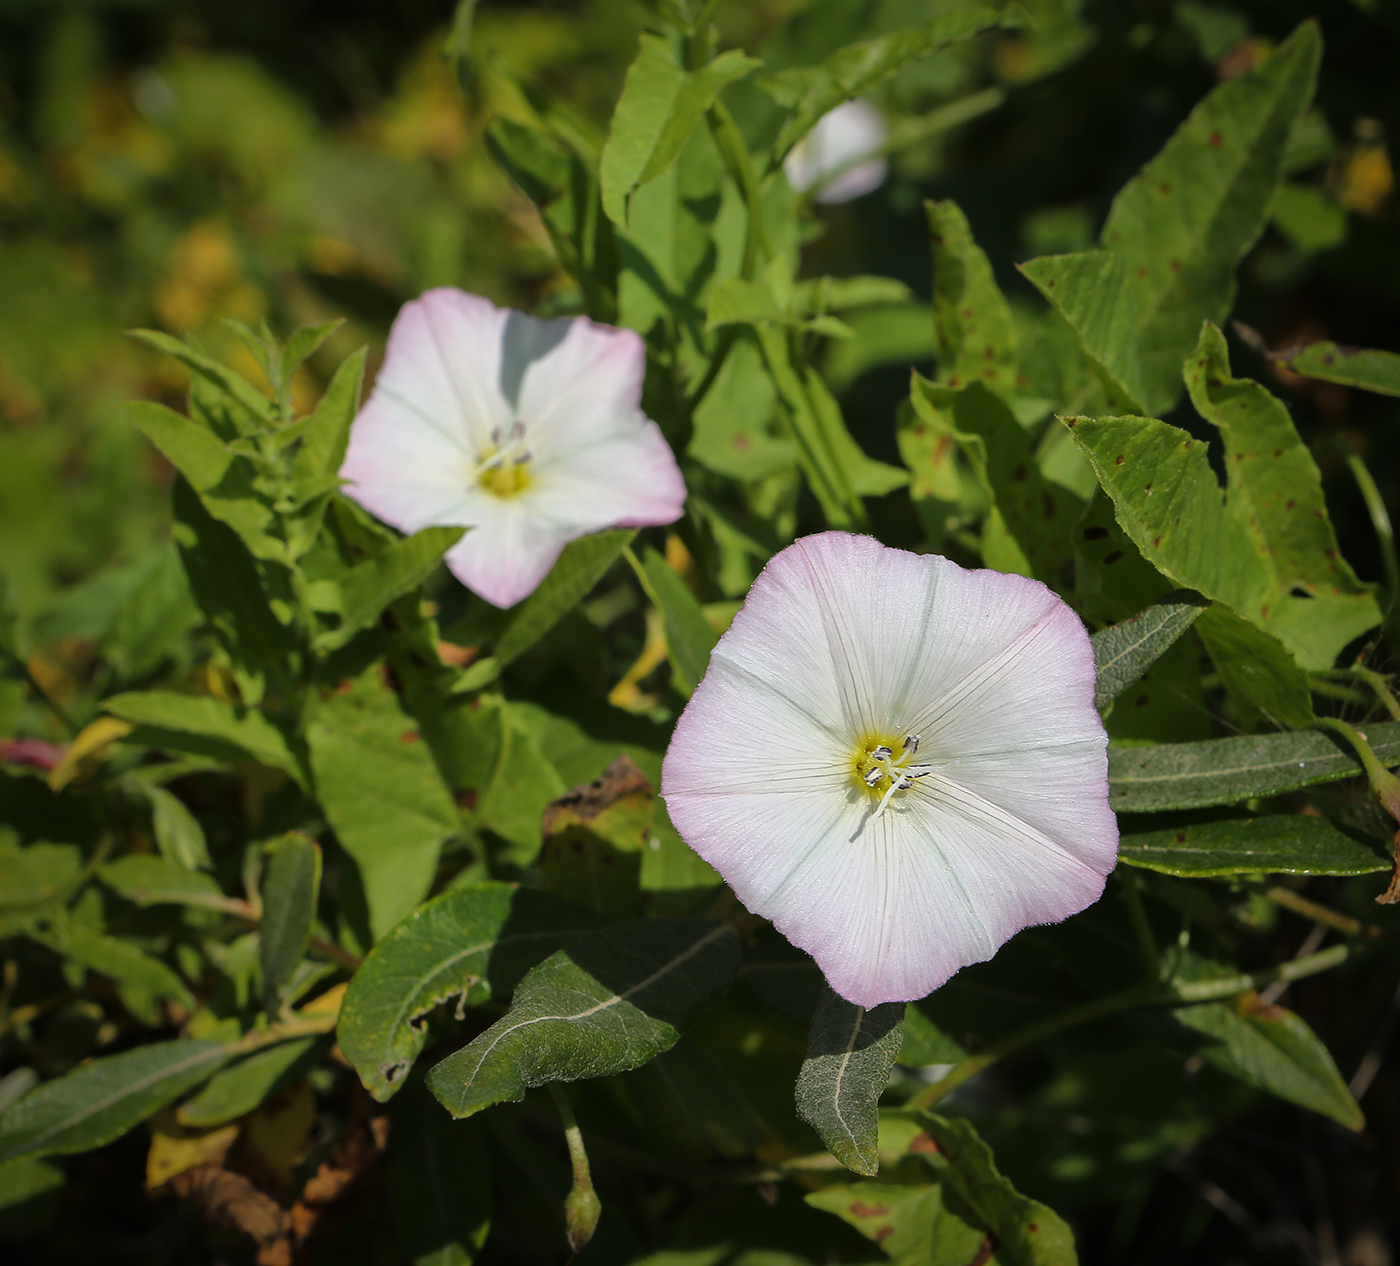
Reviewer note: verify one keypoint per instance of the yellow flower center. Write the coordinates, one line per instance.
(882, 765)
(504, 469)
(507, 480)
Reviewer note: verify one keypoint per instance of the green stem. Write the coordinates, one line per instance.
(1142, 929)
(736, 158)
(1379, 776)
(1380, 684)
(1385, 532)
(1146, 995)
(582, 1207)
(1325, 915)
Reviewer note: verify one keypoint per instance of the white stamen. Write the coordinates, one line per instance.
(900, 773)
(510, 449)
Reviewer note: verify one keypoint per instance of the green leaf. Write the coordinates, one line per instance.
(1309, 216)
(34, 875)
(1178, 229)
(659, 108)
(1257, 671)
(974, 331)
(29, 1195)
(439, 1180)
(228, 383)
(141, 979)
(1273, 1049)
(368, 587)
(469, 944)
(1265, 548)
(606, 1003)
(1030, 528)
(290, 888)
(101, 1100)
(246, 730)
(1124, 652)
(1350, 366)
(234, 1092)
(381, 792)
(580, 567)
(228, 586)
(689, 636)
(1287, 844)
(1026, 1232)
(179, 836)
(733, 422)
(148, 880)
(914, 1225)
(850, 1051)
(192, 449)
(1226, 771)
(965, 1211)
(327, 432)
(812, 91)
(303, 343)
(737, 300)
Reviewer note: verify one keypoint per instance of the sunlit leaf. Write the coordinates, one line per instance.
(1179, 228)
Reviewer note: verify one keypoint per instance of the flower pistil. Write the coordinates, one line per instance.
(504, 470)
(876, 762)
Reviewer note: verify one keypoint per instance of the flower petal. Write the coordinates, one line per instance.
(578, 389)
(622, 481)
(508, 551)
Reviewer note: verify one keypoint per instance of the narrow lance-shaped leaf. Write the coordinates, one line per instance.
(689, 636)
(101, 1100)
(1123, 652)
(850, 1051)
(234, 1092)
(1178, 229)
(810, 92)
(179, 836)
(149, 880)
(1286, 844)
(1361, 367)
(659, 107)
(246, 730)
(1226, 771)
(580, 567)
(1273, 1049)
(290, 888)
(607, 1003)
(324, 440)
(372, 585)
(469, 944)
(231, 384)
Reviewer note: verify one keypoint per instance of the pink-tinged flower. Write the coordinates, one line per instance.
(897, 761)
(528, 432)
(841, 155)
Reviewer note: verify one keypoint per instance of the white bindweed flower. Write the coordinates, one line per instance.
(528, 432)
(897, 761)
(841, 154)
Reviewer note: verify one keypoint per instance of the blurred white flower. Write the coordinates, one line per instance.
(897, 761)
(855, 130)
(528, 432)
